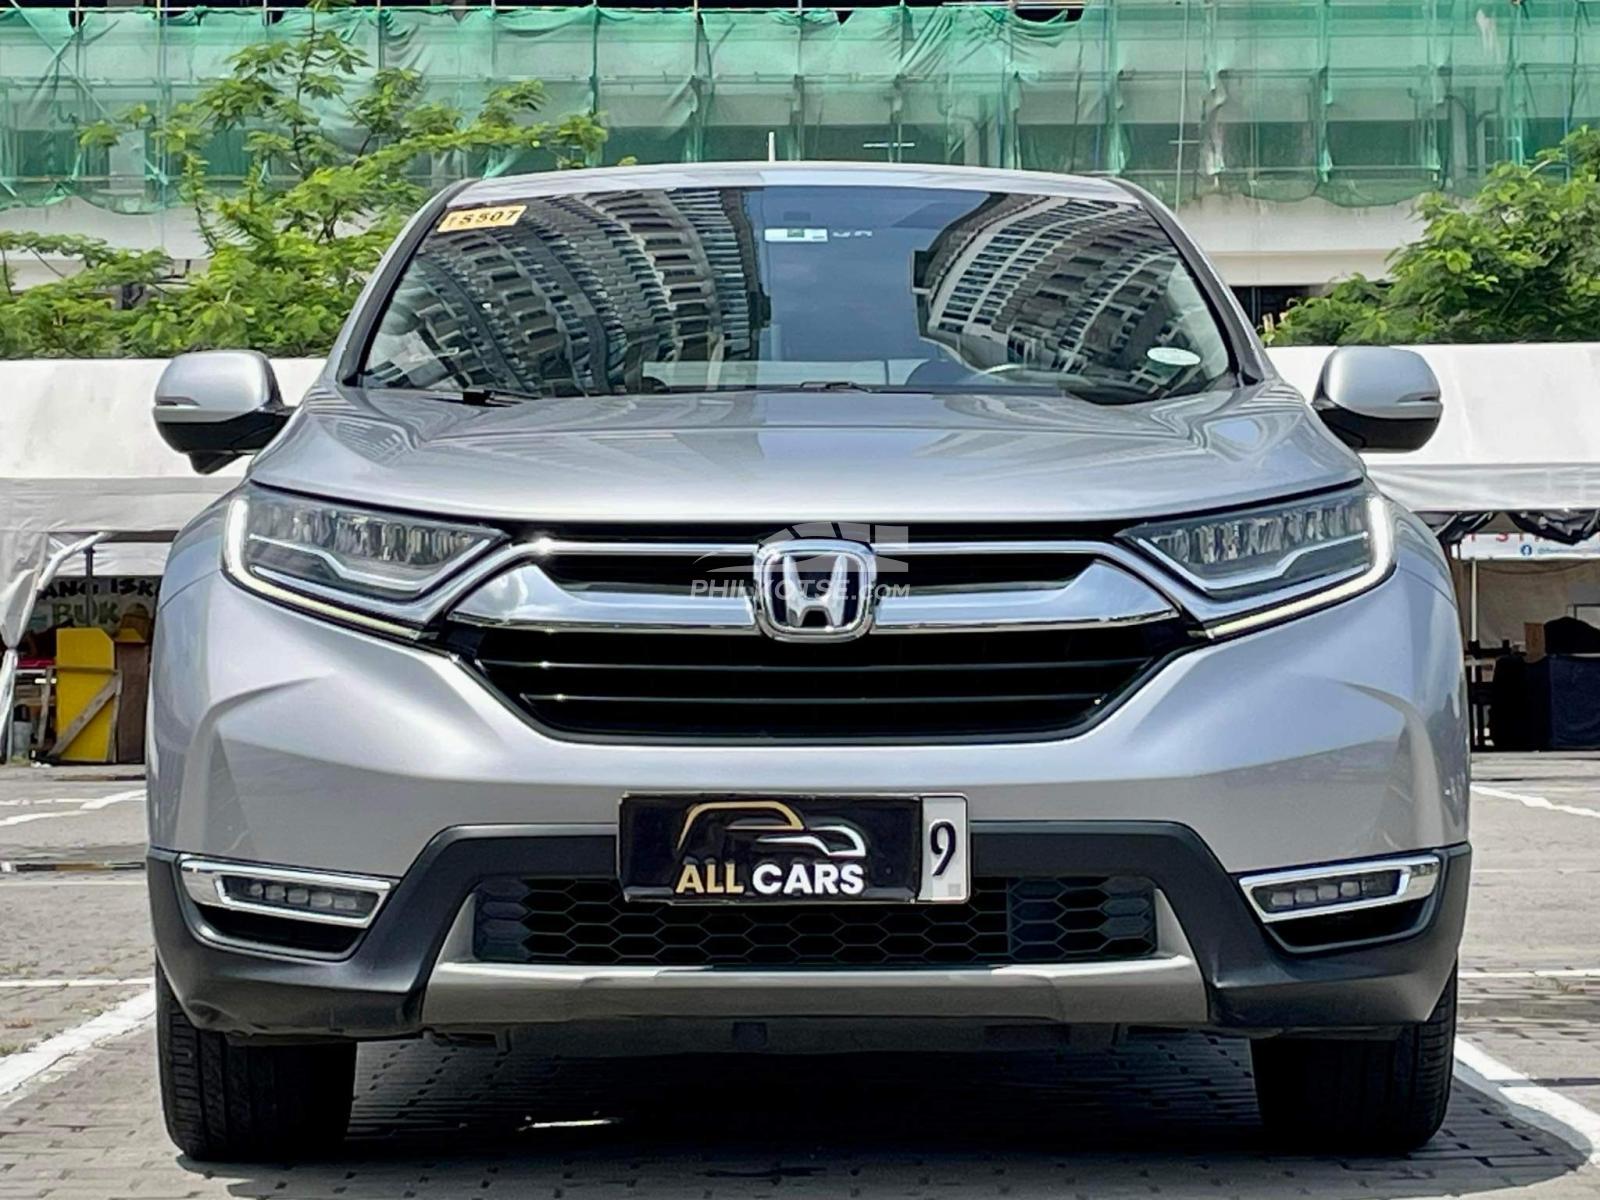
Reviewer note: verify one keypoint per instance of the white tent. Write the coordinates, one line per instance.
(81, 464)
(1521, 429)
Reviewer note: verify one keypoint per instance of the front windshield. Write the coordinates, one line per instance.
(822, 286)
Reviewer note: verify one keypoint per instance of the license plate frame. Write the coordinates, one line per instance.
(812, 848)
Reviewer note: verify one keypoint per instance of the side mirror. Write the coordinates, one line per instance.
(218, 405)
(1378, 398)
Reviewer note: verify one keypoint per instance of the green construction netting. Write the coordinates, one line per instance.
(1356, 102)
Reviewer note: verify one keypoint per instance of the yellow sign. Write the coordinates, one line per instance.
(481, 218)
(86, 695)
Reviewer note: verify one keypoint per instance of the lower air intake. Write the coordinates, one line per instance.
(586, 922)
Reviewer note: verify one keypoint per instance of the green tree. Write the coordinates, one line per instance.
(291, 241)
(1517, 262)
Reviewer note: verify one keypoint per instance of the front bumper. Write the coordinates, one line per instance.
(1215, 966)
(279, 738)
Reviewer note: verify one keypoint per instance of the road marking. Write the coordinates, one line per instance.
(100, 802)
(28, 1065)
(1534, 973)
(64, 879)
(1520, 797)
(85, 804)
(1560, 1116)
(85, 981)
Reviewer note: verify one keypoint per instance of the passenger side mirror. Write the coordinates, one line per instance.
(218, 405)
(1378, 398)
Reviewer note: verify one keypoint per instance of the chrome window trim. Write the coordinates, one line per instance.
(1414, 884)
(198, 873)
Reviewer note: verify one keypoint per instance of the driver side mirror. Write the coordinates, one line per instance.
(218, 405)
(1378, 398)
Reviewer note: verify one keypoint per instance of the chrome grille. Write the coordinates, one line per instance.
(1005, 642)
(654, 685)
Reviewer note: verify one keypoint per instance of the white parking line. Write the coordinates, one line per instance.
(100, 802)
(28, 1065)
(1560, 1116)
(85, 804)
(11, 879)
(86, 981)
(1533, 973)
(1521, 798)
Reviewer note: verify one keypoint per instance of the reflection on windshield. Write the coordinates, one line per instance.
(823, 286)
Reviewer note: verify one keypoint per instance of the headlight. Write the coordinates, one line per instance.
(1283, 559)
(347, 556)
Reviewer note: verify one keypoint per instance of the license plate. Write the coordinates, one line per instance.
(705, 849)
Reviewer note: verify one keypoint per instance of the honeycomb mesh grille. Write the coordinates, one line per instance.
(587, 922)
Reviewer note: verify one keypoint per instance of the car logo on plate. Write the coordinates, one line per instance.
(815, 589)
(791, 856)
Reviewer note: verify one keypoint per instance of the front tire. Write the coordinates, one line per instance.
(1360, 1096)
(239, 1102)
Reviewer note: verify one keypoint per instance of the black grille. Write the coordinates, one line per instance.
(881, 686)
(587, 922)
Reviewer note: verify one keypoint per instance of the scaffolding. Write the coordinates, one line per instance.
(1356, 101)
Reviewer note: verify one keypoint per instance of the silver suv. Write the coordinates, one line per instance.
(770, 608)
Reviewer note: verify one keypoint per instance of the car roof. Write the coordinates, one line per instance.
(794, 174)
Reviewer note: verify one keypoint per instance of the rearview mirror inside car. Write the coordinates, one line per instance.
(218, 405)
(1378, 398)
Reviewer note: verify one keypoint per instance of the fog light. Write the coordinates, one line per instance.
(284, 891)
(1346, 887)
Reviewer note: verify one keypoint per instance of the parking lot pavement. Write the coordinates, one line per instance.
(63, 815)
(1156, 1115)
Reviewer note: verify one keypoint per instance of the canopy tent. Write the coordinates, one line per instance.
(81, 465)
(1518, 449)
(1520, 434)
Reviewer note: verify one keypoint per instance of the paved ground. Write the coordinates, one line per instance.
(92, 815)
(1155, 1116)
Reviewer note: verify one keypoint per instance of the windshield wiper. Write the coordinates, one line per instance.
(485, 397)
(476, 397)
(809, 385)
(836, 385)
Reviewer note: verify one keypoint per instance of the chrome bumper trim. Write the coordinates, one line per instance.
(202, 880)
(1419, 876)
(1165, 988)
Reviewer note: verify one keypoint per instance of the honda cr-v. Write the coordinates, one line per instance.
(774, 608)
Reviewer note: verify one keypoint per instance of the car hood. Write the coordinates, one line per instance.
(785, 457)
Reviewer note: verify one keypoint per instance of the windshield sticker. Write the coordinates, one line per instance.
(1172, 356)
(481, 218)
(796, 235)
